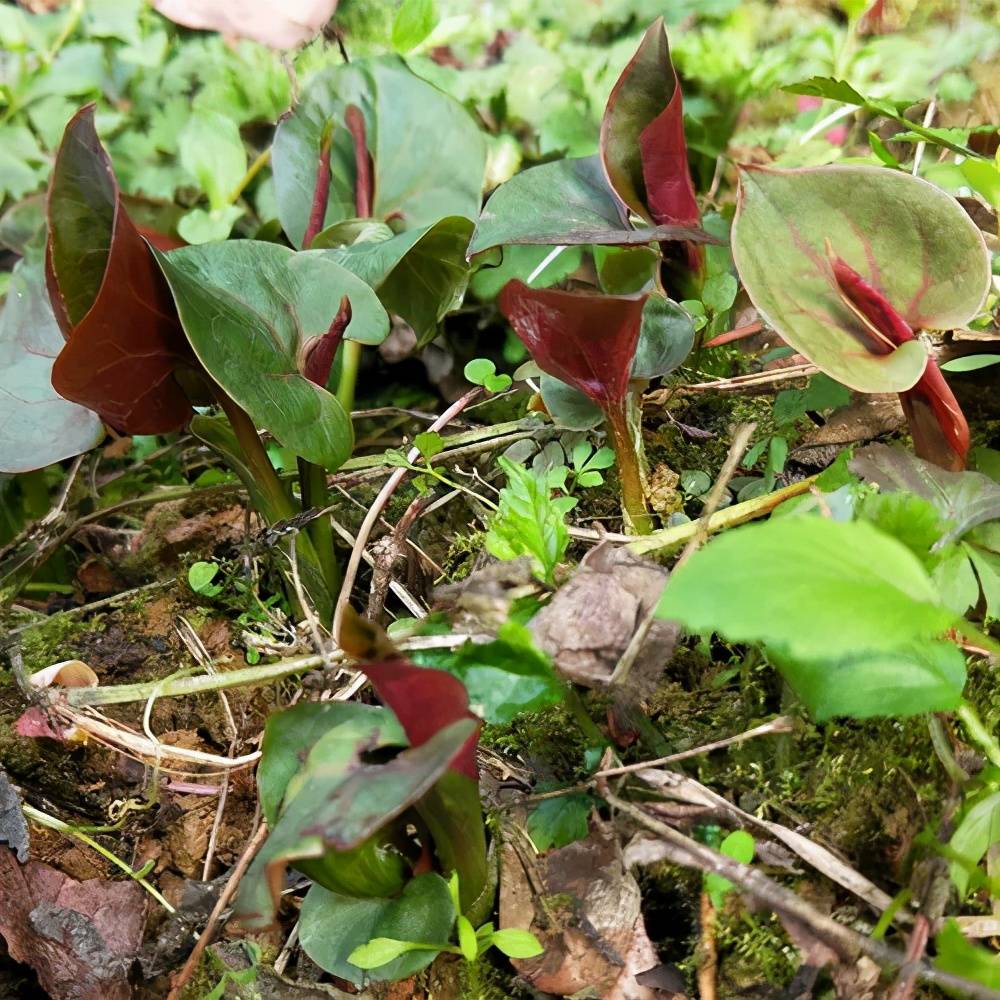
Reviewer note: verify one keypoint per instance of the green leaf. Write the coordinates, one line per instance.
(899, 232)
(414, 22)
(521, 261)
(248, 309)
(332, 926)
(444, 154)
(37, 426)
(568, 406)
(909, 680)
(467, 939)
(560, 821)
(977, 832)
(958, 956)
(719, 292)
(201, 226)
(822, 393)
(739, 846)
(517, 943)
(478, 370)
(810, 586)
(339, 802)
(505, 677)
(379, 951)
(421, 274)
(429, 444)
(829, 88)
(971, 363)
(563, 202)
(200, 577)
(984, 178)
(529, 521)
(212, 151)
(665, 338)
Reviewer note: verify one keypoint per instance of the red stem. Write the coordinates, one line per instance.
(321, 192)
(355, 122)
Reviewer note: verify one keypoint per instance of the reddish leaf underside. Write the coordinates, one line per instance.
(124, 341)
(643, 149)
(425, 701)
(938, 426)
(588, 341)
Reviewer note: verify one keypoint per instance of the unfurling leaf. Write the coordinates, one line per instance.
(123, 340)
(643, 149)
(587, 341)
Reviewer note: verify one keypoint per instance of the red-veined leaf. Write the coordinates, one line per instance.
(643, 149)
(124, 341)
(587, 341)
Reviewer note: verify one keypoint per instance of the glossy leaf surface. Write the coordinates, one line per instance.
(901, 234)
(565, 202)
(587, 341)
(249, 310)
(124, 342)
(643, 149)
(37, 426)
(429, 155)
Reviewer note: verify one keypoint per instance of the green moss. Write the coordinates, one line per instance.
(60, 637)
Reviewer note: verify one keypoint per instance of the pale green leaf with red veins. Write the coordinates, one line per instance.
(37, 426)
(428, 153)
(249, 308)
(903, 235)
(643, 149)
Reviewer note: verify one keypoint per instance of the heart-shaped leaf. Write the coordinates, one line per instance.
(37, 426)
(900, 233)
(565, 202)
(428, 154)
(665, 338)
(421, 274)
(588, 341)
(124, 342)
(643, 149)
(333, 926)
(250, 310)
(339, 802)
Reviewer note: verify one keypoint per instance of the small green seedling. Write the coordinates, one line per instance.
(482, 371)
(201, 576)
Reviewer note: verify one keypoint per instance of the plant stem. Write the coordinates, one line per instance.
(321, 190)
(260, 161)
(633, 494)
(279, 503)
(350, 364)
(979, 733)
(312, 482)
(579, 712)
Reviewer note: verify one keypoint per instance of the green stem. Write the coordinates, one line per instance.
(350, 364)
(633, 494)
(979, 733)
(312, 482)
(279, 506)
(262, 160)
(579, 712)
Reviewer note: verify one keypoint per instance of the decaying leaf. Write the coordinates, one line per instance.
(280, 26)
(590, 621)
(594, 935)
(80, 937)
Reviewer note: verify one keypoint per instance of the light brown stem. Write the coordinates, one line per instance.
(633, 493)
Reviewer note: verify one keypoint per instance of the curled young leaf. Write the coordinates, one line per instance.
(588, 341)
(643, 149)
(124, 342)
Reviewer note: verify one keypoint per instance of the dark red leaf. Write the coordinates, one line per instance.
(643, 148)
(124, 341)
(425, 701)
(585, 340)
(938, 426)
(322, 350)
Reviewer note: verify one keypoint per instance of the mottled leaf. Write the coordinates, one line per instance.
(429, 156)
(665, 338)
(250, 310)
(643, 149)
(900, 233)
(37, 426)
(124, 342)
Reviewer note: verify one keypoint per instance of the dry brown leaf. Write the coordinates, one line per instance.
(588, 918)
(588, 624)
(80, 937)
(283, 25)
